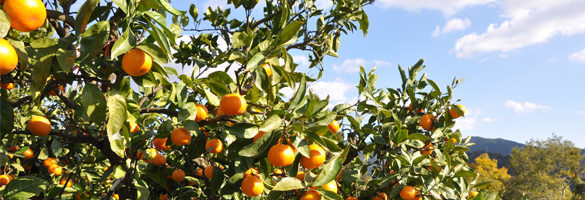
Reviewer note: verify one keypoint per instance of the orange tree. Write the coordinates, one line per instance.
(88, 110)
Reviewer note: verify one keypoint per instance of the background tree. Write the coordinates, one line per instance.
(547, 169)
(95, 115)
(487, 170)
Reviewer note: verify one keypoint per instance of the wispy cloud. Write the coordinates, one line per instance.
(578, 56)
(353, 65)
(454, 24)
(448, 7)
(525, 107)
(489, 119)
(528, 23)
(580, 112)
(469, 122)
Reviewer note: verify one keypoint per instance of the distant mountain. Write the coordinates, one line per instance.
(498, 145)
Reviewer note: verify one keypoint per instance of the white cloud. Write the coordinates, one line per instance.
(468, 122)
(489, 119)
(454, 24)
(580, 112)
(214, 4)
(447, 7)
(323, 4)
(302, 61)
(528, 22)
(353, 65)
(578, 56)
(335, 89)
(525, 107)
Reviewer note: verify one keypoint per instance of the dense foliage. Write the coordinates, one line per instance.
(103, 81)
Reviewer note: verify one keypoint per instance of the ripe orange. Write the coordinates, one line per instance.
(159, 160)
(13, 148)
(233, 104)
(381, 196)
(473, 194)
(454, 113)
(251, 172)
(417, 196)
(267, 68)
(201, 113)
(116, 196)
(252, 186)
(163, 197)
(334, 126)
(159, 143)
(426, 121)
(258, 135)
(311, 195)
(416, 111)
(133, 127)
(55, 169)
(339, 175)
(427, 149)
(180, 136)
(49, 162)
(178, 175)
(136, 62)
(69, 183)
(8, 86)
(209, 172)
(28, 154)
(25, 15)
(219, 112)
(199, 172)
(351, 198)
(331, 186)
(408, 192)
(281, 155)
(215, 144)
(5, 179)
(277, 173)
(8, 56)
(301, 176)
(317, 157)
(453, 140)
(39, 126)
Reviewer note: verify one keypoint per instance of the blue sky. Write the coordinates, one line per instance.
(523, 60)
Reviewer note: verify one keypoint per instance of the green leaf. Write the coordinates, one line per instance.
(240, 39)
(364, 23)
(217, 179)
(211, 98)
(124, 44)
(40, 74)
(57, 148)
(243, 130)
(418, 136)
(299, 94)
(169, 8)
(326, 194)
(93, 40)
(4, 24)
(84, 15)
(160, 38)
(290, 32)
(289, 183)
(24, 187)
(465, 173)
(117, 117)
(255, 61)
(154, 51)
(261, 145)
(272, 123)
(233, 184)
(121, 4)
(330, 171)
(6, 116)
(187, 112)
(66, 59)
(193, 11)
(94, 103)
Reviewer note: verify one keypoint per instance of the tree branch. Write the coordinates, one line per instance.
(269, 17)
(143, 100)
(62, 17)
(168, 112)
